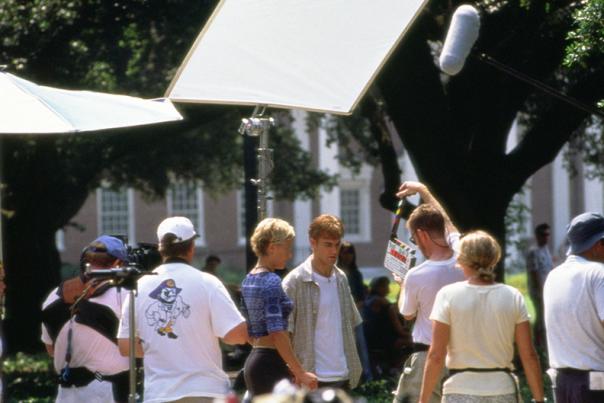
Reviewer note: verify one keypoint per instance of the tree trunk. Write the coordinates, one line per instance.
(32, 263)
(41, 197)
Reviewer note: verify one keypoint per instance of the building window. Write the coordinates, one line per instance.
(350, 206)
(355, 210)
(60, 240)
(115, 212)
(185, 199)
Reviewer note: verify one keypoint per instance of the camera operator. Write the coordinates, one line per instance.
(180, 314)
(79, 324)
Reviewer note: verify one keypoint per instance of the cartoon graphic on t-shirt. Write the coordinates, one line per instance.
(162, 314)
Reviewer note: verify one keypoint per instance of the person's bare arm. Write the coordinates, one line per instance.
(237, 335)
(435, 360)
(284, 347)
(395, 320)
(409, 188)
(401, 298)
(124, 347)
(50, 349)
(529, 359)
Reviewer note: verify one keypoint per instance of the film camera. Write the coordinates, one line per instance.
(145, 256)
(142, 259)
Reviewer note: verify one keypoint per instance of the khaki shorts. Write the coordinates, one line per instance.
(410, 382)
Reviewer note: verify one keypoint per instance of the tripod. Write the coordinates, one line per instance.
(126, 277)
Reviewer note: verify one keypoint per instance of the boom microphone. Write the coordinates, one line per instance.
(462, 34)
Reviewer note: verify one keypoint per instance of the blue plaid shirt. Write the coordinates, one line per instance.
(265, 304)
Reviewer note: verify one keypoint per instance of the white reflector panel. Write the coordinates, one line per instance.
(318, 55)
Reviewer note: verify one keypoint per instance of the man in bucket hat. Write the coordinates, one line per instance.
(181, 313)
(574, 314)
(79, 323)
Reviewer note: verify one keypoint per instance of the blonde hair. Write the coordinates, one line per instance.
(479, 251)
(326, 225)
(270, 230)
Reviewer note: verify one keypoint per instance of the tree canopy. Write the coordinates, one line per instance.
(454, 128)
(131, 47)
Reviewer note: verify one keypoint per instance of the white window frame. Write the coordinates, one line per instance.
(363, 187)
(60, 240)
(131, 221)
(200, 224)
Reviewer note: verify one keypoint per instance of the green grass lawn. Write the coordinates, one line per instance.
(518, 281)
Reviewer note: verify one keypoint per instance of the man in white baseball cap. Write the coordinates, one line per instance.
(181, 313)
(574, 314)
(181, 227)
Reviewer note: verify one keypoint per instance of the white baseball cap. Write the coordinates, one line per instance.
(181, 227)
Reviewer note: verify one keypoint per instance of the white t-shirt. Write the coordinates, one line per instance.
(420, 288)
(574, 311)
(330, 360)
(90, 349)
(482, 322)
(180, 314)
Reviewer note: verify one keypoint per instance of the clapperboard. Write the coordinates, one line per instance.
(400, 257)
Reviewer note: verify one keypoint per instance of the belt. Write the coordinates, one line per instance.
(82, 376)
(454, 371)
(573, 371)
(419, 347)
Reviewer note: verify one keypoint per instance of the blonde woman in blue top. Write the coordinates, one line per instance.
(266, 308)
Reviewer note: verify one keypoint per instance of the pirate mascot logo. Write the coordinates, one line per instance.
(168, 306)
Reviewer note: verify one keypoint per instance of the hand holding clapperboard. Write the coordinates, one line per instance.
(400, 257)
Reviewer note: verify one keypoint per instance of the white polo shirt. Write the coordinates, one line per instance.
(573, 298)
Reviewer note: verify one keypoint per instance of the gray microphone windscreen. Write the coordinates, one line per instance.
(462, 34)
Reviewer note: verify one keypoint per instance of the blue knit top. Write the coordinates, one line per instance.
(265, 304)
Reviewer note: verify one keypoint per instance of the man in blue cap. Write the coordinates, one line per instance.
(574, 314)
(79, 327)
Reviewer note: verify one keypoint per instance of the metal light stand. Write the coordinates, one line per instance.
(132, 342)
(258, 125)
(126, 277)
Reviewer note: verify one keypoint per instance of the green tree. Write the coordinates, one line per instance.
(455, 129)
(132, 47)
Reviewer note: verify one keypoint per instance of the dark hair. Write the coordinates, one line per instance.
(168, 248)
(96, 254)
(427, 218)
(541, 228)
(376, 283)
(212, 258)
(346, 245)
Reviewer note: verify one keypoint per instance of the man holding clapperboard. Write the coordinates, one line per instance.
(434, 234)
